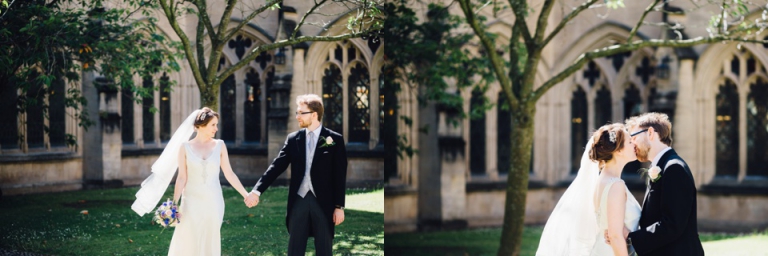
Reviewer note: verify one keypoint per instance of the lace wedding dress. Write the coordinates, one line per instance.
(202, 206)
(631, 218)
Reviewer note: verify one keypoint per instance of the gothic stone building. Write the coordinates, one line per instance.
(716, 95)
(255, 105)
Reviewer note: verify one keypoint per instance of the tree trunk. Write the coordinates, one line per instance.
(210, 98)
(517, 179)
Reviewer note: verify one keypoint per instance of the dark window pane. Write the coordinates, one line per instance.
(390, 128)
(382, 113)
(578, 127)
(735, 65)
(603, 107)
(633, 104)
(35, 119)
(148, 118)
(165, 108)
(9, 126)
(57, 114)
(592, 73)
(645, 70)
(757, 129)
(228, 112)
(338, 53)
(359, 104)
(333, 99)
(127, 115)
(751, 65)
(727, 130)
(476, 134)
(252, 106)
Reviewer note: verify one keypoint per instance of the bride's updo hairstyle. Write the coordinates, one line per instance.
(607, 140)
(205, 116)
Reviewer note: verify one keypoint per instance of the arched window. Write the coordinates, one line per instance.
(757, 127)
(333, 116)
(603, 108)
(477, 133)
(504, 128)
(578, 127)
(727, 130)
(35, 120)
(359, 102)
(165, 108)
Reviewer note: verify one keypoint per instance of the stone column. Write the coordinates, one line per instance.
(442, 179)
(102, 142)
(278, 116)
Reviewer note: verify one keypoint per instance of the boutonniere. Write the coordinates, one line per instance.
(327, 141)
(654, 174)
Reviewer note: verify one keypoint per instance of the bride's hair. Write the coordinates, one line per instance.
(607, 139)
(205, 116)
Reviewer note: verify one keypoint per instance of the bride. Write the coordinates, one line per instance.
(597, 203)
(197, 184)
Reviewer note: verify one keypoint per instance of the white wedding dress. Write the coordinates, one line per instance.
(202, 206)
(631, 218)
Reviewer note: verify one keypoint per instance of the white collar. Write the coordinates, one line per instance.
(316, 132)
(658, 156)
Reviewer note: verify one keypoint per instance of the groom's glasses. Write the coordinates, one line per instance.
(638, 132)
(303, 113)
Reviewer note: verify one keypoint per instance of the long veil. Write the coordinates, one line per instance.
(572, 227)
(153, 188)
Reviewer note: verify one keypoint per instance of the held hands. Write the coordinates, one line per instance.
(251, 200)
(338, 216)
(608, 239)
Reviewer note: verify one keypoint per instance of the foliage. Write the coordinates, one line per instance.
(44, 42)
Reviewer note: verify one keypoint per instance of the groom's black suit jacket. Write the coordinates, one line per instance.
(671, 201)
(328, 172)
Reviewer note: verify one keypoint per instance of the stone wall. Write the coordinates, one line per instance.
(51, 175)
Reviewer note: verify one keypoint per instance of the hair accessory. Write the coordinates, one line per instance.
(612, 136)
(202, 116)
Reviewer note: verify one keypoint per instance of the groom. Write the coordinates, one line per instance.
(668, 219)
(318, 161)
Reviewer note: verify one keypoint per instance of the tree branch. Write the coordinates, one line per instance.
(251, 16)
(225, 19)
(543, 21)
(206, 20)
(497, 63)
(303, 18)
(185, 42)
(518, 8)
(567, 19)
(642, 18)
(201, 48)
(615, 49)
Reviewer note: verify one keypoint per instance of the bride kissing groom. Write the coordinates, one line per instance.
(597, 215)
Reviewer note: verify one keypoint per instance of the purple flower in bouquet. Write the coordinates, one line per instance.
(166, 214)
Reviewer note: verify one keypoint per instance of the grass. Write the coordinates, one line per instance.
(486, 242)
(53, 224)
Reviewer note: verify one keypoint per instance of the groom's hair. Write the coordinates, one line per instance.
(659, 122)
(313, 102)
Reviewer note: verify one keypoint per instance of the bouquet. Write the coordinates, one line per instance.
(167, 214)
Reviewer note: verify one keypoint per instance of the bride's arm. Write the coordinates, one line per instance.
(229, 174)
(181, 179)
(617, 202)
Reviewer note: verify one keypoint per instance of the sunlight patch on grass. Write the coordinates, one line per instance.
(748, 245)
(369, 202)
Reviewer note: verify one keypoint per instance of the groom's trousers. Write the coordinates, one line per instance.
(307, 213)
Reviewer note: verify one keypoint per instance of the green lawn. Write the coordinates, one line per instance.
(53, 224)
(486, 242)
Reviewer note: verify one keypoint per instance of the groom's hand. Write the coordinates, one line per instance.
(338, 216)
(252, 199)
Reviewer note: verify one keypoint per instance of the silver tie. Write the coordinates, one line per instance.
(306, 182)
